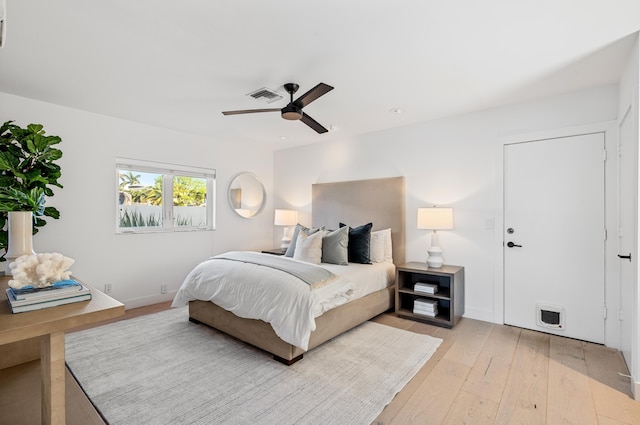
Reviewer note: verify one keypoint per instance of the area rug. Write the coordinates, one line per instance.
(162, 369)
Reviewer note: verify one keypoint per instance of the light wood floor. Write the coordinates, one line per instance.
(482, 373)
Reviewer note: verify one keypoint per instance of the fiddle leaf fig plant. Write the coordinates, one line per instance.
(27, 173)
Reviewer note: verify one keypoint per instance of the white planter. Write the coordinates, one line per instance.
(20, 226)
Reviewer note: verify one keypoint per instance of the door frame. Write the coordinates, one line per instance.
(612, 287)
(627, 348)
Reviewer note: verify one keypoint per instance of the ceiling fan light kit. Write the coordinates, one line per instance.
(293, 111)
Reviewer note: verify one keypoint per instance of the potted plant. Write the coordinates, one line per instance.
(27, 173)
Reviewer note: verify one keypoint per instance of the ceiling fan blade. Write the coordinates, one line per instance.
(313, 123)
(312, 94)
(249, 111)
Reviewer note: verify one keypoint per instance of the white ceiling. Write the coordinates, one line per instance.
(178, 64)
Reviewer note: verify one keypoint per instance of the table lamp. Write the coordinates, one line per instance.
(285, 218)
(435, 219)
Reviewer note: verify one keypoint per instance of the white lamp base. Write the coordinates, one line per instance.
(434, 257)
(284, 243)
(435, 260)
(286, 240)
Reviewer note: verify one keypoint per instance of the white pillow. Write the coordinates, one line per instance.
(309, 247)
(377, 247)
(292, 246)
(388, 246)
(381, 247)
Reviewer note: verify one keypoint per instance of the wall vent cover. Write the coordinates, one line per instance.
(265, 94)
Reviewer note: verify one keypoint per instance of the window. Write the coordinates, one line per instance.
(155, 197)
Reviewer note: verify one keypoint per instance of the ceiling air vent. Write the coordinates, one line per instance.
(266, 95)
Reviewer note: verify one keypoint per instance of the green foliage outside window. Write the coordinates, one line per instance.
(187, 191)
(137, 219)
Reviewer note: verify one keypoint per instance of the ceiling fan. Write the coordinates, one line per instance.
(293, 111)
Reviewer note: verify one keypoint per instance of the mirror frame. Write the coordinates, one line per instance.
(232, 201)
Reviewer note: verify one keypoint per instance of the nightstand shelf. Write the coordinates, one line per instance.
(449, 296)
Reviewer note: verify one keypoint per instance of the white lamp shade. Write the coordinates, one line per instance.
(285, 218)
(435, 218)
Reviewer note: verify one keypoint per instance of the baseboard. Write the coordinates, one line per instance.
(477, 314)
(635, 389)
(148, 300)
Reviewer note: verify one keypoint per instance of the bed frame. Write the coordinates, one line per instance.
(380, 201)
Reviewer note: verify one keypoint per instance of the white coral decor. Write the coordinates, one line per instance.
(39, 270)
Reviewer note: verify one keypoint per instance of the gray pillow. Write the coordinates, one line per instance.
(335, 247)
(292, 246)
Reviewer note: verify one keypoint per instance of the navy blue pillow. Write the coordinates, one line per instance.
(359, 248)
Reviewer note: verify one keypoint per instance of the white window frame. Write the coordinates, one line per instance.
(168, 172)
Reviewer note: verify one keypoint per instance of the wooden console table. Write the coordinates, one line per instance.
(48, 326)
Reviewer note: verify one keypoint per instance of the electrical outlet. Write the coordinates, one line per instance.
(107, 288)
(163, 289)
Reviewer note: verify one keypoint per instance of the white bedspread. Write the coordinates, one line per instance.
(276, 297)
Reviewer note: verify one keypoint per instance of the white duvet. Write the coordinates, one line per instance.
(276, 297)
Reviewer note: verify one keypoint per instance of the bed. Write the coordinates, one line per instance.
(377, 201)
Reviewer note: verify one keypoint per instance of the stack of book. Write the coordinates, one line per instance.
(425, 288)
(425, 307)
(63, 292)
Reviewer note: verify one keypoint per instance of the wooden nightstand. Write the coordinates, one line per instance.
(443, 307)
(275, 251)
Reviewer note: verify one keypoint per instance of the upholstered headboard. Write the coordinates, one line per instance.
(379, 201)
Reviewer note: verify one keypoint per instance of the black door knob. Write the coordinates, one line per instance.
(511, 245)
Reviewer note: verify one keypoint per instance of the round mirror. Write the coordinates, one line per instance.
(247, 196)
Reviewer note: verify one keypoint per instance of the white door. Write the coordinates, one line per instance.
(626, 242)
(554, 236)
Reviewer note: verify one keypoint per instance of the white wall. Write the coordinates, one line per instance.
(449, 162)
(136, 265)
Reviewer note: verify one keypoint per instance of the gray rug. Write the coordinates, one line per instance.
(163, 369)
